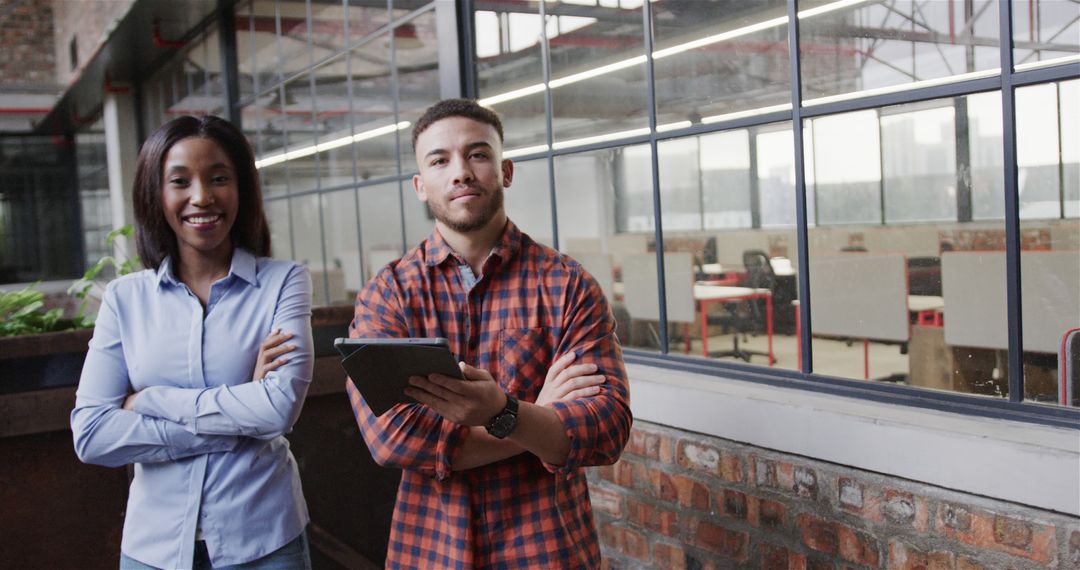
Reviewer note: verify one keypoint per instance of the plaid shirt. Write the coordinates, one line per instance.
(530, 306)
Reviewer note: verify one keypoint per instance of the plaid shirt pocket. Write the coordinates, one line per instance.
(524, 359)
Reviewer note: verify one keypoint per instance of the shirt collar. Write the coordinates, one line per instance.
(244, 265)
(436, 250)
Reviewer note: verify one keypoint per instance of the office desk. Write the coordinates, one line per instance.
(705, 295)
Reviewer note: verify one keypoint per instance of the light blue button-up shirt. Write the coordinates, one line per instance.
(207, 442)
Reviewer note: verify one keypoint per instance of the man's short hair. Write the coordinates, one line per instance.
(456, 108)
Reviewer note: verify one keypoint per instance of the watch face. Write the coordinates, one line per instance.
(503, 424)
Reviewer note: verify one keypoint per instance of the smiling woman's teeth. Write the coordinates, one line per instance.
(202, 219)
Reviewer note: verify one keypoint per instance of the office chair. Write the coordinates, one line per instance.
(748, 316)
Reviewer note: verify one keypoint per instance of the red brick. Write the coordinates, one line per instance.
(666, 453)
(805, 482)
(763, 472)
(663, 486)
(785, 475)
(697, 456)
(644, 443)
(669, 556)
(900, 507)
(775, 557)
(624, 540)
(764, 513)
(906, 557)
(625, 473)
(652, 517)
(965, 563)
(605, 472)
(725, 542)
(857, 547)
(734, 504)
(818, 534)
(731, 468)
(1011, 535)
(691, 493)
(605, 501)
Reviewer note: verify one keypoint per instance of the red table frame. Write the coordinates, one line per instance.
(703, 306)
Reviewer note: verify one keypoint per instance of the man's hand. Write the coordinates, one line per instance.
(129, 402)
(469, 402)
(565, 382)
(270, 352)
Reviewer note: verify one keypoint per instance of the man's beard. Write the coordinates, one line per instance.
(472, 221)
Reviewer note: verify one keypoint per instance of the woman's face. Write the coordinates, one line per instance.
(199, 197)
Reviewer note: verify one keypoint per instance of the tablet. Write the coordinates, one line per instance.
(380, 367)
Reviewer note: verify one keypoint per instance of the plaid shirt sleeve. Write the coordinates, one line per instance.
(598, 426)
(407, 436)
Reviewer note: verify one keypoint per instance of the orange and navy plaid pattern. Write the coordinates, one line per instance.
(530, 306)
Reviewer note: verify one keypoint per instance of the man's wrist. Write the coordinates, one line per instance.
(503, 423)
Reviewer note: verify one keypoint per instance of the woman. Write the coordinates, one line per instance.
(186, 375)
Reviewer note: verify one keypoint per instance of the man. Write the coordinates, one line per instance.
(492, 465)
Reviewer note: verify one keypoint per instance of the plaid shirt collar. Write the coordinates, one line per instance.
(437, 251)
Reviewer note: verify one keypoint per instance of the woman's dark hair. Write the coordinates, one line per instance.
(154, 239)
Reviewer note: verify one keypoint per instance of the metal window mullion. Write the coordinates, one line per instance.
(1012, 211)
(230, 67)
(467, 49)
(285, 129)
(353, 151)
(650, 80)
(1060, 153)
(549, 124)
(395, 90)
(801, 224)
(318, 161)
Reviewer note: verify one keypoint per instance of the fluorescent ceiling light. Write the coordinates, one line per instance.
(659, 54)
(525, 150)
(325, 146)
(902, 87)
(1047, 62)
(601, 138)
(741, 114)
(673, 126)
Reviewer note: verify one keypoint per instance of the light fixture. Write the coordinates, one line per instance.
(325, 146)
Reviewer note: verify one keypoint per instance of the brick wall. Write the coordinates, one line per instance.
(90, 22)
(679, 500)
(26, 44)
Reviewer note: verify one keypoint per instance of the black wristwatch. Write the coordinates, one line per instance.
(504, 422)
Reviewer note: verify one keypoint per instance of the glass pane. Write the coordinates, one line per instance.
(985, 142)
(919, 164)
(277, 214)
(263, 46)
(416, 54)
(612, 240)
(894, 44)
(380, 226)
(246, 49)
(1045, 32)
(1048, 140)
(365, 18)
(418, 219)
(510, 76)
(341, 225)
(845, 171)
(597, 71)
(294, 55)
(528, 200)
(914, 304)
(297, 121)
(308, 248)
(332, 124)
(375, 142)
(727, 290)
(717, 57)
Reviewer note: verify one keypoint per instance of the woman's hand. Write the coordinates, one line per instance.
(270, 352)
(565, 382)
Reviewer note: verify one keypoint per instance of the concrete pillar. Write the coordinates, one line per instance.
(122, 151)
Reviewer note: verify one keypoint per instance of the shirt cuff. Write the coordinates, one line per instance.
(449, 446)
(573, 423)
(177, 405)
(182, 443)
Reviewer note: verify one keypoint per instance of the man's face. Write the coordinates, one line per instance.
(462, 173)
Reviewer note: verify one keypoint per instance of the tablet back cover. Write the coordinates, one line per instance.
(381, 372)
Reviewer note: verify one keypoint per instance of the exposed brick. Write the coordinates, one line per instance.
(652, 517)
(624, 473)
(1011, 535)
(644, 443)
(725, 542)
(624, 540)
(699, 457)
(666, 451)
(692, 493)
(785, 475)
(605, 472)
(900, 507)
(857, 547)
(806, 483)
(965, 563)
(818, 534)
(734, 504)
(850, 493)
(1011, 532)
(764, 472)
(731, 468)
(765, 513)
(774, 557)
(669, 556)
(907, 557)
(819, 563)
(1074, 548)
(605, 501)
(663, 486)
